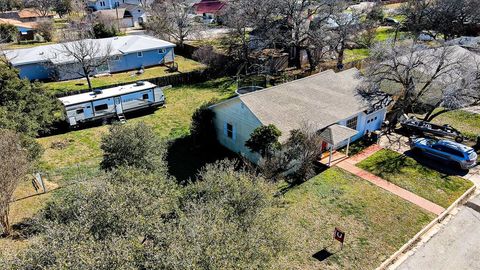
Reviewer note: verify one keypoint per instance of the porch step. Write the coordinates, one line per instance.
(121, 118)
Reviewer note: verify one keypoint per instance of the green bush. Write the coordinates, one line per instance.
(8, 32)
(102, 30)
(264, 140)
(132, 146)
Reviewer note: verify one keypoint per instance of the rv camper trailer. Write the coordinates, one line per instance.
(112, 102)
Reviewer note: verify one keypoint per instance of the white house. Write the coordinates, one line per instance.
(326, 101)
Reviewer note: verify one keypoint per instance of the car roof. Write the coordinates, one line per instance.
(455, 145)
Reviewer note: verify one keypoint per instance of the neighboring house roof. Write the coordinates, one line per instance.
(209, 6)
(319, 101)
(18, 23)
(32, 13)
(110, 13)
(53, 53)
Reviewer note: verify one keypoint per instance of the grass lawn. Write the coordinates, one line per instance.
(411, 175)
(468, 123)
(356, 54)
(385, 33)
(83, 146)
(26, 45)
(184, 65)
(376, 222)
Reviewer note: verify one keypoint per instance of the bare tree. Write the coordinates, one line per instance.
(411, 76)
(295, 159)
(13, 169)
(297, 17)
(449, 18)
(43, 7)
(170, 19)
(345, 30)
(84, 55)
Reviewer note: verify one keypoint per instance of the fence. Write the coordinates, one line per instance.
(192, 77)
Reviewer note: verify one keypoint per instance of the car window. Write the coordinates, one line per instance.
(454, 152)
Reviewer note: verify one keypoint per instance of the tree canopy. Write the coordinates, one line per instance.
(25, 107)
(135, 219)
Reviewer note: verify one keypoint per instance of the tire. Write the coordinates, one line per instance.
(459, 139)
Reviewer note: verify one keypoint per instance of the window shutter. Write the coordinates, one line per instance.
(225, 129)
(234, 131)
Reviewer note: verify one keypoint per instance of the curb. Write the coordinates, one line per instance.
(412, 242)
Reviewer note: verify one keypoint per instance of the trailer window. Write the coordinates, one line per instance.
(101, 107)
(79, 111)
(229, 130)
(145, 96)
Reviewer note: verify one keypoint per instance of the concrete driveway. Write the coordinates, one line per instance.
(455, 246)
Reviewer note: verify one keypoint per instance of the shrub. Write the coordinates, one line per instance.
(46, 29)
(104, 30)
(264, 140)
(8, 32)
(132, 146)
(202, 128)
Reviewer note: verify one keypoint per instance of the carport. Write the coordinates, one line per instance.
(336, 135)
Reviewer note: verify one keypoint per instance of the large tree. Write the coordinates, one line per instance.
(303, 19)
(13, 169)
(25, 107)
(413, 78)
(87, 55)
(449, 18)
(345, 30)
(171, 19)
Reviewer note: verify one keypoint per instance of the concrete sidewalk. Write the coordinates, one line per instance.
(454, 246)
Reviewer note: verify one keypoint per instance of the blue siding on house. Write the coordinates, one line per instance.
(37, 71)
(132, 61)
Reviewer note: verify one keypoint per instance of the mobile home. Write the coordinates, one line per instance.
(112, 102)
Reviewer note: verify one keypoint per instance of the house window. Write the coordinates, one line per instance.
(161, 51)
(139, 54)
(145, 96)
(352, 123)
(101, 107)
(79, 111)
(115, 58)
(229, 130)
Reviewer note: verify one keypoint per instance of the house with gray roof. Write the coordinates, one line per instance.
(50, 62)
(327, 101)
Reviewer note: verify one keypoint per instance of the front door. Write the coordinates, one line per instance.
(118, 105)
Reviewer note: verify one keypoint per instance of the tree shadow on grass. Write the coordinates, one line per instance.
(185, 158)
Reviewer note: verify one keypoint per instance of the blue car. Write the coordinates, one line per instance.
(449, 151)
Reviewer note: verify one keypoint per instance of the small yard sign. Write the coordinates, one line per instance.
(339, 235)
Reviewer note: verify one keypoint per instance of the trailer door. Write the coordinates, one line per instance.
(118, 105)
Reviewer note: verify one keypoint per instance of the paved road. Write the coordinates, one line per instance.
(455, 246)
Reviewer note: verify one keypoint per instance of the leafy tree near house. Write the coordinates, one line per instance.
(134, 146)
(136, 219)
(26, 107)
(8, 33)
(46, 29)
(264, 140)
(202, 128)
